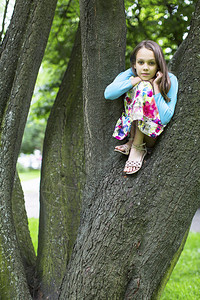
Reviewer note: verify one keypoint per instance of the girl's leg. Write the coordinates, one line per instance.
(125, 148)
(150, 142)
(137, 152)
(143, 95)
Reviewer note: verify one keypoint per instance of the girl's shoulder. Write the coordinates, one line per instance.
(173, 83)
(171, 75)
(173, 79)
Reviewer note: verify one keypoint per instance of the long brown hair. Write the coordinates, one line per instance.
(160, 61)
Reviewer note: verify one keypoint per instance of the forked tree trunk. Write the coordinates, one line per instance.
(21, 56)
(133, 228)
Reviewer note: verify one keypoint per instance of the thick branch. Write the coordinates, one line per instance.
(34, 37)
(62, 179)
(11, 50)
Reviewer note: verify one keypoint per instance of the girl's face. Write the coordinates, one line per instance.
(146, 66)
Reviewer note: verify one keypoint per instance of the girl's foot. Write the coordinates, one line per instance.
(125, 149)
(134, 162)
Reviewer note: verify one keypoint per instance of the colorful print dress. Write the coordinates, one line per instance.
(139, 104)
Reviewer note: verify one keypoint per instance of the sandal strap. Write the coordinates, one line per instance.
(140, 147)
(131, 163)
(124, 147)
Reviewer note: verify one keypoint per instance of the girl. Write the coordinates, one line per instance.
(149, 103)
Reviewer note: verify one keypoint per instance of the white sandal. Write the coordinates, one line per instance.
(125, 149)
(136, 164)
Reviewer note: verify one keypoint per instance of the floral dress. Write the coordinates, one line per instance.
(139, 104)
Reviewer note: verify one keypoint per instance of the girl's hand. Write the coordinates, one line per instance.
(135, 80)
(158, 78)
(157, 81)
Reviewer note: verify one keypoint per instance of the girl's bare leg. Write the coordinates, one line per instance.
(150, 142)
(135, 154)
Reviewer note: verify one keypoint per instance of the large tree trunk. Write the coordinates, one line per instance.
(21, 56)
(133, 228)
(62, 179)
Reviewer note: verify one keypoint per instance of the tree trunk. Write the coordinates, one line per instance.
(103, 30)
(62, 179)
(133, 228)
(21, 56)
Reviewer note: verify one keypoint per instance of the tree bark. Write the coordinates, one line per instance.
(62, 179)
(103, 44)
(133, 228)
(20, 60)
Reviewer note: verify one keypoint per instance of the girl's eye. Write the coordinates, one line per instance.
(140, 62)
(152, 63)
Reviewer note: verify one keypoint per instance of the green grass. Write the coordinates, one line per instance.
(33, 227)
(29, 174)
(184, 283)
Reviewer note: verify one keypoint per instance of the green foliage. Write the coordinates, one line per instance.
(165, 22)
(33, 136)
(184, 282)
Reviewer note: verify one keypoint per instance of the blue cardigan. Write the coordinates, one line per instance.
(122, 84)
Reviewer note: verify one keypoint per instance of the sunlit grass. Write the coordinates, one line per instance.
(184, 283)
(28, 175)
(33, 227)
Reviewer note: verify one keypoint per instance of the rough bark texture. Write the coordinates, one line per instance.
(103, 32)
(133, 228)
(62, 180)
(21, 56)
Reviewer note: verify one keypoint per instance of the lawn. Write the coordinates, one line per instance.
(29, 174)
(33, 227)
(184, 283)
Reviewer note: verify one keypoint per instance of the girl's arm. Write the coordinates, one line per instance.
(121, 84)
(166, 110)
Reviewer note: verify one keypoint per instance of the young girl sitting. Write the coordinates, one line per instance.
(149, 103)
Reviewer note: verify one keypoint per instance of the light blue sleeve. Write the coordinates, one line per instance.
(119, 86)
(166, 110)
